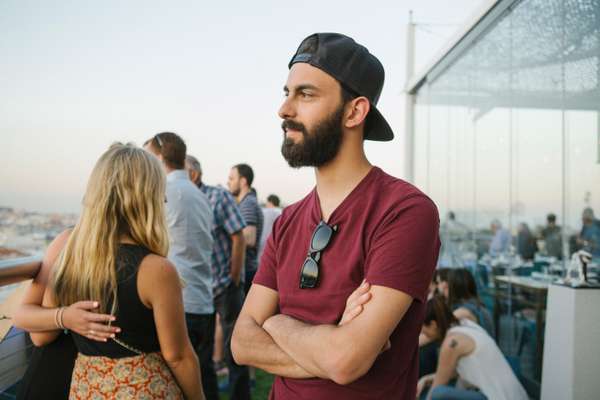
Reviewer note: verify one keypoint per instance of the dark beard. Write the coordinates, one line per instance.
(317, 147)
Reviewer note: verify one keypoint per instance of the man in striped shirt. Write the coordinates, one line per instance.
(240, 181)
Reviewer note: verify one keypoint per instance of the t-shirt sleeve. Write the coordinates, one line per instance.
(230, 214)
(266, 274)
(404, 248)
(248, 209)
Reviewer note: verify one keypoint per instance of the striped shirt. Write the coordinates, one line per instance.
(254, 217)
(227, 221)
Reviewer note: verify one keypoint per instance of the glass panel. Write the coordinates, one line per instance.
(537, 87)
(438, 152)
(582, 126)
(421, 139)
(491, 115)
(513, 136)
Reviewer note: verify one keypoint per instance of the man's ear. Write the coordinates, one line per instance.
(357, 111)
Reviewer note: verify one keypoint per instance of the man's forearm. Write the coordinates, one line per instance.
(238, 253)
(252, 345)
(308, 345)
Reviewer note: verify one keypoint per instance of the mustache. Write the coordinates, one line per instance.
(290, 124)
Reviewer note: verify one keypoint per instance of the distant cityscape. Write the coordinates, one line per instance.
(28, 233)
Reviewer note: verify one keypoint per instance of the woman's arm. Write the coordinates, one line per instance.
(34, 318)
(463, 312)
(453, 348)
(169, 317)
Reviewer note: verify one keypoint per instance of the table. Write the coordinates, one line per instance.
(538, 291)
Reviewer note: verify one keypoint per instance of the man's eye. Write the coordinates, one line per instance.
(306, 95)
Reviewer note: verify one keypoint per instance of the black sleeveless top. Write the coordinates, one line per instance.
(133, 317)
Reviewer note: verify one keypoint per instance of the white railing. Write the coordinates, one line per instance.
(15, 348)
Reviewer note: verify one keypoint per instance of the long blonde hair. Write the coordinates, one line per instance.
(125, 195)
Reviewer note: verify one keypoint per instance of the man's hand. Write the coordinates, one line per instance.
(79, 318)
(342, 353)
(354, 306)
(355, 302)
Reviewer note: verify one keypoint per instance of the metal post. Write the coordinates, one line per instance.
(409, 108)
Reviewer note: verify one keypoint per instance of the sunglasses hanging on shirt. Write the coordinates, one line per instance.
(321, 237)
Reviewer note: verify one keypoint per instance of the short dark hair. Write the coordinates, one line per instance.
(551, 218)
(273, 199)
(246, 172)
(461, 287)
(437, 310)
(442, 274)
(171, 147)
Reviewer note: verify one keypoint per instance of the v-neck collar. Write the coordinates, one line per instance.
(348, 200)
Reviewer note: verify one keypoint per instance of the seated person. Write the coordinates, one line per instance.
(459, 288)
(469, 354)
(501, 239)
(428, 350)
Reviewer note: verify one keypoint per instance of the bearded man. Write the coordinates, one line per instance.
(338, 301)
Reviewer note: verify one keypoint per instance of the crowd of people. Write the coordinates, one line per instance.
(162, 270)
(544, 240)
(459, 358)
(161, 225)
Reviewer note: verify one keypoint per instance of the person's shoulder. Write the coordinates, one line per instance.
(183, 188)
(213, 189)
(219, 194)
(400, 193)
(271, 211)
(300, 206)
(61, 239)
(295, 210)
(456, 343)
(157, 267)
(54, 249)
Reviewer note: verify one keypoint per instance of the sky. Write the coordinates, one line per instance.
(78, 75)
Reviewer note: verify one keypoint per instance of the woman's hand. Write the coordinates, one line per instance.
(79, 318)
(424, 383)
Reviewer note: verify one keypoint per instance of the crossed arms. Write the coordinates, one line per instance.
(291, 348)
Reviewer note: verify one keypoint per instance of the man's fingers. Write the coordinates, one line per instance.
(364, 298)
(359, 301)
(350, 315)
(354, 312)
(363, 288)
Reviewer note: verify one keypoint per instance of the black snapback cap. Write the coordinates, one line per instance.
(354, 67)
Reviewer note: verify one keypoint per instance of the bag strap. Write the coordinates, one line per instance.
(128, 347)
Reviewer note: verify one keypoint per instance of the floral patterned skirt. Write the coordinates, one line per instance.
(146, 376)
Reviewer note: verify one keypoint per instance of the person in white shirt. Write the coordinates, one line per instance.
(271, 211)
(190, 219)
(468, 353)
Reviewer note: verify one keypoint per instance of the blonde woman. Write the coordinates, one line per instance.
(117, 252)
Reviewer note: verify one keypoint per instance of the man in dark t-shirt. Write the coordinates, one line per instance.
(304, 319)
(239, 182)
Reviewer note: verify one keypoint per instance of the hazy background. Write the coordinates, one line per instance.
(77, 75)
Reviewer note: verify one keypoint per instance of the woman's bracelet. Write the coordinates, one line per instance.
(56, 321)
(60, 318)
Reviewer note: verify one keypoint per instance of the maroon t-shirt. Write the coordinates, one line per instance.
(387, 234)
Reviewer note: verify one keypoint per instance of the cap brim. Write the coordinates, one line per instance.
(377, 127)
